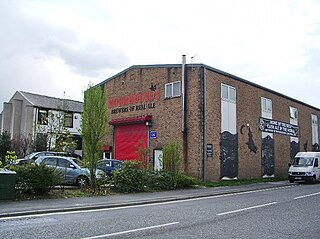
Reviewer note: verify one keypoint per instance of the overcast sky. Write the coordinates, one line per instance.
(57, 48)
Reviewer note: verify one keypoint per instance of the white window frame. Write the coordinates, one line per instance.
(228, 109)
(293, 113)
(314, 119)
(314, 128)
(230, 89)
(266, 105)
(172, 85)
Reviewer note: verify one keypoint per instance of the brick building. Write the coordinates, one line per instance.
(228, 127)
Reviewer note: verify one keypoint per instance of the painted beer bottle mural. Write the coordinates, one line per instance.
(229, 135)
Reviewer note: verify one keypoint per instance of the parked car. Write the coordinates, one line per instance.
(33, 156)
(109, 165)
(71, 168)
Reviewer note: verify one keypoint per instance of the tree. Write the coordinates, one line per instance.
(21, 144)
(94, 128)
(171, 157)
(40, 142)
(5, 145)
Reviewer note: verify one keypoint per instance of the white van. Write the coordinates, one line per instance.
(305, 166)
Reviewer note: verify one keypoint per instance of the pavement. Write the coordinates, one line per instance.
(40, 206)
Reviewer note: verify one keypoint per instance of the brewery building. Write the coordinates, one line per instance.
(227, 127)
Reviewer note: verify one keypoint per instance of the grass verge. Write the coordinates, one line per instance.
(241, 182)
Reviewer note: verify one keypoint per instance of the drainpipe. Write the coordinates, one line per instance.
(183, 128)
(184, 114)
(204, 158)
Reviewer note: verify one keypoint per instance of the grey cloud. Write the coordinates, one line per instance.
(88, 59)
(21, 35)
(25, 41)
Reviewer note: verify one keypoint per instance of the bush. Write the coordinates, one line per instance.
(130, 178)
(134, 178)
(184, 181)
(36, 179)
(171, 157)
(160, 181)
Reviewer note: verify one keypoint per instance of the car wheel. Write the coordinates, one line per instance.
(82, 181)
(313, 180)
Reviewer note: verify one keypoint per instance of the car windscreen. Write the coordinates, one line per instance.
(78, 162)
(30, 156)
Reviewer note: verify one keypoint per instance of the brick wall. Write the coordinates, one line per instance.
(166, 117)
(248, 112)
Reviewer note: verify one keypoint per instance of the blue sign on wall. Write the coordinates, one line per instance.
(153, 135)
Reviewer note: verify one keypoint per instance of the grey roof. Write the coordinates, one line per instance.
(48, 102)
(196, 65)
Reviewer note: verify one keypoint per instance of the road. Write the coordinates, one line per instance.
(287, 212)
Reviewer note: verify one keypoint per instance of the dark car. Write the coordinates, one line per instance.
(109, 165)
(71, 169)
(30, 158)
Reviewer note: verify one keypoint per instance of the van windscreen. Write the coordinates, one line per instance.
(303, 161)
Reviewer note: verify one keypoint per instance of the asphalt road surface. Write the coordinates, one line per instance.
(287, 212)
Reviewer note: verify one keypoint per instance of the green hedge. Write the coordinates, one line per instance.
(132, 178)
(36, 179)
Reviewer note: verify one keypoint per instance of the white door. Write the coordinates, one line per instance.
(158, 162)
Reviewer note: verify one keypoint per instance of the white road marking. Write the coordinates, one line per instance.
(134, 230)
(245, 209)
(309, 195)
(138, 206)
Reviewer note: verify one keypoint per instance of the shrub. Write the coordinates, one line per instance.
(134, 178)
(36, 179)
(184, 181)
(160, 180)
(171, 157)
(5, 145)
(130, 178)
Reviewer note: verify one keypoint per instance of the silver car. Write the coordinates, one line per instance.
(72, 172)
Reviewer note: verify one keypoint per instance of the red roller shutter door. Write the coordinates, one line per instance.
(128, 139)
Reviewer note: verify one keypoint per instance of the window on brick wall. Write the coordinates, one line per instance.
(172, 89)
(228, 93)
(293, 113)
(266, 106)
(228, 109)
(315, 134)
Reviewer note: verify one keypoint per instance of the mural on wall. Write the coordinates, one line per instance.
(229, 134)
(153, 87)
(294, 149)
(229, 155)
(267, 151)
(251, 145)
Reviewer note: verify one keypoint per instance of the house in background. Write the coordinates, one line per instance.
(28, 114)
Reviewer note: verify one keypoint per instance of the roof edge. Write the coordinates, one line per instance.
(209, 68)
(21, 93)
